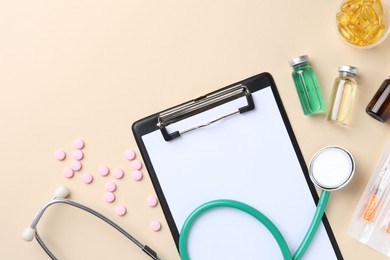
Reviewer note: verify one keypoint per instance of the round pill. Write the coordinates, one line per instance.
(136, 175)
(60, 155)
(136, 165)
(75, 165)
(78, 143)
(109, 197)
(130, 155)
(87, 178)
(118, 173)
(120, 210)
(152, 201)
(110, 186)
(77, 155)
(103, 170)
(155, 225)
(68, 172)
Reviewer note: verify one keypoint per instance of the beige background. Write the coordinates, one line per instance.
(90, 68)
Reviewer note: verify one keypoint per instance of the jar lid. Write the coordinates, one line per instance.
(299, 60)
(349, 69)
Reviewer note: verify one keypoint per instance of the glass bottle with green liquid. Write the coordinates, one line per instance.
(307, 86)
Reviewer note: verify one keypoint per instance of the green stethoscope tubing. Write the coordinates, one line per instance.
(260, 217)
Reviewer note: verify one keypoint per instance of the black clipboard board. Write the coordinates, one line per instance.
(161, 131)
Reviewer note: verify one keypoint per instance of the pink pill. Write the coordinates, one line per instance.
(109, 197)
(76, 166)
(136, 175)
(118, 173)
(60, 155)
(110, 186)
(136, 165)
(103, 170)
(68, 172)
(87, 178)
(152, 201)
(155, 225)
(130, 155)
(120, 210)
(78, 143)
(78, 155)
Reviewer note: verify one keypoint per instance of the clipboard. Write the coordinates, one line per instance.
(234, 143)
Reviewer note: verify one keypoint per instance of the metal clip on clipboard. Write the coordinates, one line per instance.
(201, 104)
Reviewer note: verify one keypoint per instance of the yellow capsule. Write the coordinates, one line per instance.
(359, 41)
(371, 15)
(362, 19)
(350, 5)
(370, 28)
(344, 17)
(346, 33)
(375, 34)
(378, 8)
(355, 18)
(356, 2)
(357, 30)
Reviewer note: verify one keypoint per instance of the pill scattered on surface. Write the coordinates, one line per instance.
(130, 155)
(152, 201)
(78, 155)
(118, 173)
(68, 172)
(75, 166)
(110, 186)
(103, 170)
(136, 165)
(60, 155)
(78, 143)
(136, 175)
(155, 225)
(120, 210)
(109, 197)
(87, 178)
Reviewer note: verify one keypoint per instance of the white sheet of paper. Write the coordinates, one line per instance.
(248, 157)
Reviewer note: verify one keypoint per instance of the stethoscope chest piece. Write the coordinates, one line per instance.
(331, 168)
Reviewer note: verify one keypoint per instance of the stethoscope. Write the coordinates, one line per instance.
(331, 168)
(59, 196)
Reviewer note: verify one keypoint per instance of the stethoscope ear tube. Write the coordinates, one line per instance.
(30, 232)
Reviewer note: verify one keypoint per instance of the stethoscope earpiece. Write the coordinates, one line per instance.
(28, 234)
(61, 192)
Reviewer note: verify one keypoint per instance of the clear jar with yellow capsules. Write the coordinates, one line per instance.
(363, 23)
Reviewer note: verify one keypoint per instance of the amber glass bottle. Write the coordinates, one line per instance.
(379, 106)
